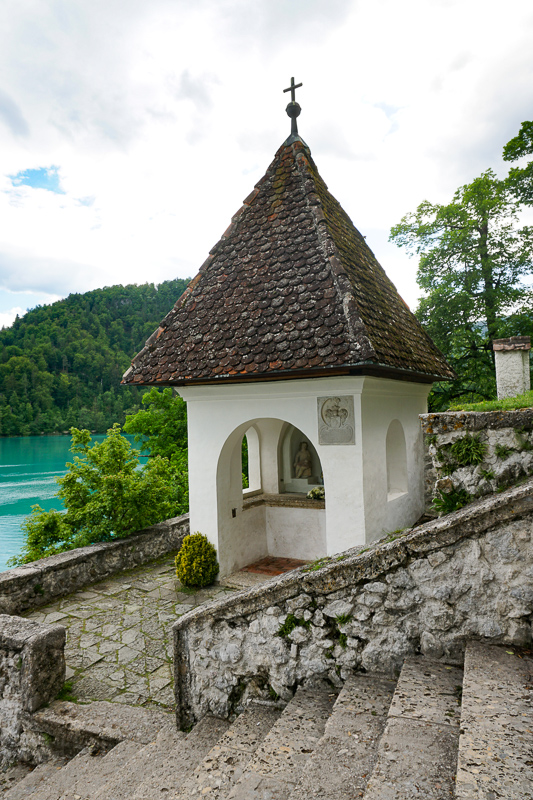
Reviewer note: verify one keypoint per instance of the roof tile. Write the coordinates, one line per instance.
(291, 286)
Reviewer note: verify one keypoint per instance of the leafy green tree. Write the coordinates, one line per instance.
(162, 426)
(107, 495)
(161, 429)
(521, 178)
(473, 257)
(63, 357)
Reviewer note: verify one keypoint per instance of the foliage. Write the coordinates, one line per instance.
(343, 619)
(391, 536)
(317, 493)
(106, 495)
(503, 404)
(473, 257)
(318, 564)
(66, 693)
(196, 562)
(290, 624)
(446, 502)
(502, 451)
(161, 428)
(61, 364)
(468, 450)
(521, 178)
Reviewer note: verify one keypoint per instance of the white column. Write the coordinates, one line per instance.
(511, 358)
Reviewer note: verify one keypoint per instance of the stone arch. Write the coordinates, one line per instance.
(396, 455)
(259, 522)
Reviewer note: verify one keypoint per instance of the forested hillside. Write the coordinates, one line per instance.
(61, 365)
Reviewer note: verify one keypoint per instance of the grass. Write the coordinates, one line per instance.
(505, 404)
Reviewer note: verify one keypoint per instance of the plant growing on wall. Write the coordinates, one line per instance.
(502, 451)
(468, 450)
(446, 502)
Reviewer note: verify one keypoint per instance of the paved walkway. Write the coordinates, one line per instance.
(119, 644)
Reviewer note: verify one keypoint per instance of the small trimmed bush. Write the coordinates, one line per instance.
(196, 562)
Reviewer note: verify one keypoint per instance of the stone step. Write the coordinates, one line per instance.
(163, 765)
(496, 743)
(417, 754)
(279, 761)
(227, 760)
(345, 756)
(99, 770)
(35, 782)
(100, 724)
(10, 776)
(63, 779)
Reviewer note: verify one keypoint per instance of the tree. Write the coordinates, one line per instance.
(106, 495)
(521, 178)
(161, 428)
(473, 257)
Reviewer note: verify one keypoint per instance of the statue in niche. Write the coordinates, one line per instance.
(303, 462)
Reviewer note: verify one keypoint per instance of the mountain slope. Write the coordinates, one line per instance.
(61, 365)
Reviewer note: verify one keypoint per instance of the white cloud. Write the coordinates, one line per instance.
(161, 115)
(7, 318)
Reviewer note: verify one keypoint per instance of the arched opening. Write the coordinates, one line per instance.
(251, 461)
(396, 461)
(300, 468)
(264, 519)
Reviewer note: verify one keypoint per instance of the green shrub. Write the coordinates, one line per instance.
(468, 450)
(196, 562)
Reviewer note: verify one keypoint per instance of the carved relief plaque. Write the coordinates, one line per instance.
(336, 421)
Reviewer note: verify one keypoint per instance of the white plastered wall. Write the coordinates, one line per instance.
(219, 416)
(386, 403)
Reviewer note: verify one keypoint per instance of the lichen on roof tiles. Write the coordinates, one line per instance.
(291, 287)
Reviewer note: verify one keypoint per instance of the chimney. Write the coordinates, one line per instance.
(511, 357)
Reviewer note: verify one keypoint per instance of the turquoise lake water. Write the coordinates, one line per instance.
(28, 468)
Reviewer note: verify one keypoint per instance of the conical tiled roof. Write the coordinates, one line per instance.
(291, 290)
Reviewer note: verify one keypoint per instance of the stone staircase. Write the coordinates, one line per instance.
(433, 734)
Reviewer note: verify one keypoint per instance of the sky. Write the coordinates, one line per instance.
(132, 130)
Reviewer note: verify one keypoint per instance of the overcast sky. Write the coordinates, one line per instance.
(131, 130)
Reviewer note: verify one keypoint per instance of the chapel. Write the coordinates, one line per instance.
(292, 336)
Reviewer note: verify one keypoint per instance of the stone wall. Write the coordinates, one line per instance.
(506, 438)
(32, 671)
(41, 581)
(469, 574)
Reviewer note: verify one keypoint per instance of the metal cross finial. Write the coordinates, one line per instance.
(292, 89)
(293, 109)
